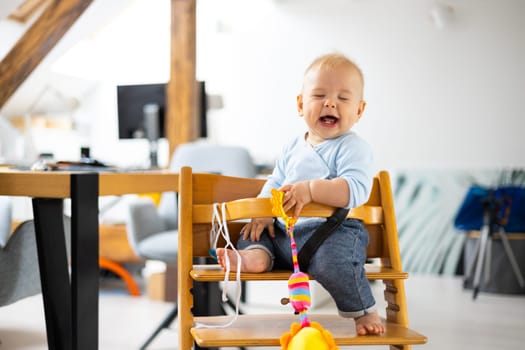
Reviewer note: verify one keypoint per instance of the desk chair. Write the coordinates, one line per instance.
(152, 231)
(197, 195)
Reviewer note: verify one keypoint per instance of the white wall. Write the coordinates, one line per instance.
(448, 97)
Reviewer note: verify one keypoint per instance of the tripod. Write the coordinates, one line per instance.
(492, 223)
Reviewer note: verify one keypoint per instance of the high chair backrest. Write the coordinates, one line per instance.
(198, 194)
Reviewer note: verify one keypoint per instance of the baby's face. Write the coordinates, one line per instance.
(331, 102)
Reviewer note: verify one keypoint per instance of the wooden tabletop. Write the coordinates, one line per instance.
(56, 184)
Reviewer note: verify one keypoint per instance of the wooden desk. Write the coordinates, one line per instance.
(71, 305)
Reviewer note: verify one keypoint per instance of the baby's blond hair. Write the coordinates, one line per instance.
(334, 60)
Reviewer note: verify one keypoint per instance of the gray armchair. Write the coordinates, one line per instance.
(19, 274)
(5, 220)
(19, 271)
(19, 265)
(18, 259)
(152, 231)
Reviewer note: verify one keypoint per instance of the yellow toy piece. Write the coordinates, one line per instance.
(314, 337)
(155, 197)
(277, 208)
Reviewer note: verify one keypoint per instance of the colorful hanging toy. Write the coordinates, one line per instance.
(306, 335)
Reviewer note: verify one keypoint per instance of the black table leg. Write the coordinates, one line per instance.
(54, 275)
(71, 308)
(84, 260)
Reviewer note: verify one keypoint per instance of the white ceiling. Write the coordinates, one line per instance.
(97, 15)
(8, 6)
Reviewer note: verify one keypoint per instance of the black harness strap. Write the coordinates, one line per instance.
(320, 235)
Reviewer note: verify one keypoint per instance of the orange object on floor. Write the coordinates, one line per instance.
(120, 271)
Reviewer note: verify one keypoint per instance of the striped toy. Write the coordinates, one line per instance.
(298, 283)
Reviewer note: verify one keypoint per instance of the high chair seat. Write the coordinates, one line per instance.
(214, 273)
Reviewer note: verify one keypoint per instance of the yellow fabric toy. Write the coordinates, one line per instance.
(313, 337)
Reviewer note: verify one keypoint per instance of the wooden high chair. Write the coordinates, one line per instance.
(198, 192)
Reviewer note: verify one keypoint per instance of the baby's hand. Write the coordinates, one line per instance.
(255, 228)
(296, 195)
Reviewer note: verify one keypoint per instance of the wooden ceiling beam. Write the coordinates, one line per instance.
(37, 42)
(26, 10)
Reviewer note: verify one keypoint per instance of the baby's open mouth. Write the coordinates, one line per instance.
(328, 119)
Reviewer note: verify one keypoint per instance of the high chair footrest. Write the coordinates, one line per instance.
(265, 330)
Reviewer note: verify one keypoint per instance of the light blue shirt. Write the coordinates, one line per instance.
(347, 156)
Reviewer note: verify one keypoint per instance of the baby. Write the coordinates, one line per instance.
(329, 164)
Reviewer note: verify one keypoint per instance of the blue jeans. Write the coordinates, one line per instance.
(338, 264)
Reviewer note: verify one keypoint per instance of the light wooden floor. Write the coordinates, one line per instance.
(438, 308)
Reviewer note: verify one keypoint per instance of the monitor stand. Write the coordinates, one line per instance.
(153, 154)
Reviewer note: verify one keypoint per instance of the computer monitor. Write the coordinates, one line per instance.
(136, 106)
(141, 110)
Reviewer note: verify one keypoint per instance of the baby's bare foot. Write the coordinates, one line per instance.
(252, 260)
(369, 324)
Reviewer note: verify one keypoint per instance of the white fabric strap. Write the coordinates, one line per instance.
(220, 228)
